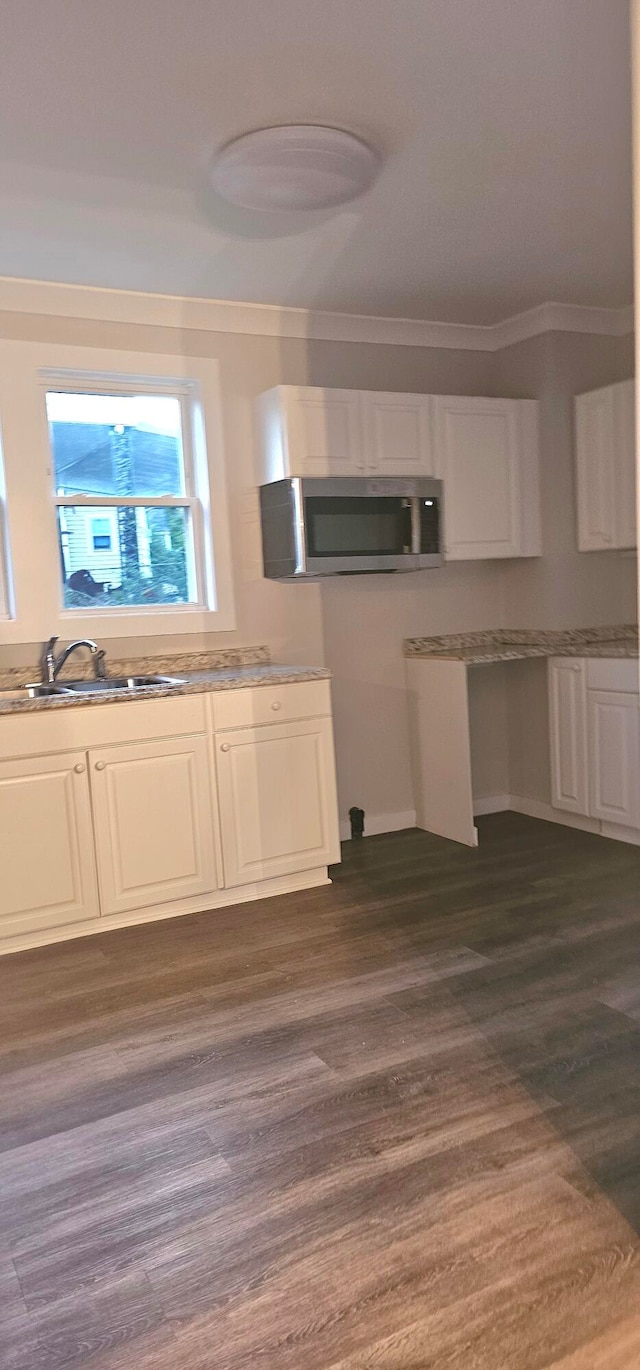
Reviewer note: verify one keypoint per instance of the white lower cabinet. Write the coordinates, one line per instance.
(105, 821)
(595, 740)
(153, 823)
(47, 868)
(614, 757)
(277, 798)
(568, 733)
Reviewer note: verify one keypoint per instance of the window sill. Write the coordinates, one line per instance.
(155, 621)
(122, 623)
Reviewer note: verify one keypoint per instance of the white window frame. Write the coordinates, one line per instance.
(6, 589)
(36, 608)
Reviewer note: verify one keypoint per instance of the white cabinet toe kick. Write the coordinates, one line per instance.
(128, 813)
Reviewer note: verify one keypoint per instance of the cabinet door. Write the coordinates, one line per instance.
(323, 431)
(614, 757)
(397, 434)
(154, 831)
(277, 796)
(487, 456)
(47, 868)
(595, 470)
(568, 735)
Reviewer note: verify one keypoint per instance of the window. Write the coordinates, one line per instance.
(116, 515)
(101, 535)
(123, 494)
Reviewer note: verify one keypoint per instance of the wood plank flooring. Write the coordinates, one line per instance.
(393, 1124)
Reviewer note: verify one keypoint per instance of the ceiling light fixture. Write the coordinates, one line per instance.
(294, 167)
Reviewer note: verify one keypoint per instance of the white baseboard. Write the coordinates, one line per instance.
(499, 803)
(621, 834)
(536, 808)
(375, 823)
(491, 803)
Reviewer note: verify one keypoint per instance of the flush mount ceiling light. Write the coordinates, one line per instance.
(295, 166)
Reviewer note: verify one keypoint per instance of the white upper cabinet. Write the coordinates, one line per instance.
(605, 468)
(595, 470)
(487, 456)
(397, 433)
(485, 451)
(310, 431)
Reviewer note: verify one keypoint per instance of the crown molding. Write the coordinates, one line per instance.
(18, 295)
(562, 318)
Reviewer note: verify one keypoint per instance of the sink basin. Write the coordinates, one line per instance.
(130, 682)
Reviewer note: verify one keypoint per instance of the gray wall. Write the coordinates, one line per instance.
(365, 621)
(366, 618)
(564, 588)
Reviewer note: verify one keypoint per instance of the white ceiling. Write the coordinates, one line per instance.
(504, 124)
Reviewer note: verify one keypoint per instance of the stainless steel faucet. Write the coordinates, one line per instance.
(52, 664)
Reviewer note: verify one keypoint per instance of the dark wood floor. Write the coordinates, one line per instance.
(393, 1124)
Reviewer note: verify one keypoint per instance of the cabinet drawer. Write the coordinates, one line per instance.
(613, 673)
(101, 725)
(271, 704)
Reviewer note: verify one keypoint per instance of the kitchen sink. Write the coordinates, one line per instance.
(124, 682)
(129, 682)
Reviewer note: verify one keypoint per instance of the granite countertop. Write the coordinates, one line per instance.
(517, 644)
(198, 673)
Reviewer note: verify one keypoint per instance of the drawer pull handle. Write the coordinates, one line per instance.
(225, 747)
(275, 706)
(79, 768)
(100, 765)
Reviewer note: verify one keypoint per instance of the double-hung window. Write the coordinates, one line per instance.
(116, 493)
(128, 517)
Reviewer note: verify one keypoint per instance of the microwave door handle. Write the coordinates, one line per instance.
(415, 526)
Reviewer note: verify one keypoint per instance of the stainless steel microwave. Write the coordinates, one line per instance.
(344, 525)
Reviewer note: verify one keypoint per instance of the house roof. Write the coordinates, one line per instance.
(84, 460)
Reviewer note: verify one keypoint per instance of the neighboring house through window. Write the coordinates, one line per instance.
(101, 535)
(128, 449)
